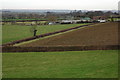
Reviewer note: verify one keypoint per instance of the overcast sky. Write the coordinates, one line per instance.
(61, 4)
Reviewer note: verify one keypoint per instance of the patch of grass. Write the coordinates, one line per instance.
(17, 32)
(71, 64)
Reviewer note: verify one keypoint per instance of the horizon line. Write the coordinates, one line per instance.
(54, 9)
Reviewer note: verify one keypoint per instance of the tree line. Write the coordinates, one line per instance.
(76, 14)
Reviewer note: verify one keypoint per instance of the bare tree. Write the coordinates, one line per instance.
(33, 29)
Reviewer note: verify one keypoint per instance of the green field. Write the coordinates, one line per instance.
(73, 64)
(114, 19)
(17, 32)
(20, 19)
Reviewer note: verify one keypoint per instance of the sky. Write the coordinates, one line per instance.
(61, 4)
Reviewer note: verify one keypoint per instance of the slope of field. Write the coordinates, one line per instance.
(74, 64)
(101, 34)
(18, 32)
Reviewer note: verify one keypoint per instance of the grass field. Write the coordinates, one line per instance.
(20, 19)
(74, 64)
(17, 32)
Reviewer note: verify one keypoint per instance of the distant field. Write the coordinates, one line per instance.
(74, 64)
(17, 32)
(20, 19)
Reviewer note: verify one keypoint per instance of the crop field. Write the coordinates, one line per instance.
(71, 64)
(97, 35)
(18, 32)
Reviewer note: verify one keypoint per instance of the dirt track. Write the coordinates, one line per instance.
(102, 34)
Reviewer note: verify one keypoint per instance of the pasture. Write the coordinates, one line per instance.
(71, 64)
(17, 32)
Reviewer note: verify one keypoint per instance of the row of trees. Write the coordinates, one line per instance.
(52, 15)
(13, 15)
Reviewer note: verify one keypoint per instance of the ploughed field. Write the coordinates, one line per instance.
(94, 35)
(12, 33)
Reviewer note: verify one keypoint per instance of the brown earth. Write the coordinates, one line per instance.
(97, 35)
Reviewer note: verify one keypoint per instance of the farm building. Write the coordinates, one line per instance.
(66, 22)
(102, 21)
(85, 19)
(99, 18)
(70, 21)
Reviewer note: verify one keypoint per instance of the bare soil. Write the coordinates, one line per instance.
(96, 35)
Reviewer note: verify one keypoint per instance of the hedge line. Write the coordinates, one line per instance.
(58, 48)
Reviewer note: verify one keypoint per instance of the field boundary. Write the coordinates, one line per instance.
(58, 48)
(44, 35)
